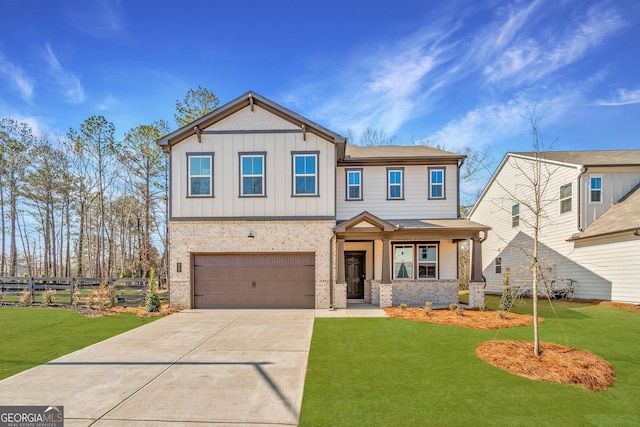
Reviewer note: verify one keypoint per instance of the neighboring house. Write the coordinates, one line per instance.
(269, 209)
(590, 230)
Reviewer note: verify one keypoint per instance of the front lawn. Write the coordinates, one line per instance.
(32, 336)
(393, 372)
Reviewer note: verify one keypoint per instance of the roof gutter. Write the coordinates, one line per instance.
(582, 172)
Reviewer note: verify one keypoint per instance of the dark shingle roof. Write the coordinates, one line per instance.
(589, 158)
(622, 217)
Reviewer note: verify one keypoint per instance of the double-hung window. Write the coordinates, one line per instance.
(252, 182)
(436, 183)
(595, 189)
(395, 184)
(200, 174)
(565, 198)
(354, 184)
(427, 261)
(498, 265)
(515, 215)
(305, 174)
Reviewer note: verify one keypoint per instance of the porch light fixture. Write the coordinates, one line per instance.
(251, 236)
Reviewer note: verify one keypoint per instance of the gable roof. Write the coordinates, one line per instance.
(248, 99)
(622, 217)
(386, 154)
(588, 158)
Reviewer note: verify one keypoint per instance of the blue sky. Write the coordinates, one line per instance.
(456, 72)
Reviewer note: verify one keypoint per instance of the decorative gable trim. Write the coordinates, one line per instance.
(363, 221)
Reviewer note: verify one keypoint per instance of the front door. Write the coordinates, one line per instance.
(354, 274)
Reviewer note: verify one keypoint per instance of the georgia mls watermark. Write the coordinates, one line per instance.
(31, 416)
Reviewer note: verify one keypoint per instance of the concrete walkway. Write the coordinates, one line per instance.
(196, 367)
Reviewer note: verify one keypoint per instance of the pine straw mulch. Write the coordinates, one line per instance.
(110, 311)
(470, 318)
(556, 363)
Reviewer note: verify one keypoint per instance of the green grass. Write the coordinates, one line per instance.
(391, 372)
(32, 336)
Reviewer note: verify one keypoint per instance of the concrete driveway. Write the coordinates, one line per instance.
(199, 367)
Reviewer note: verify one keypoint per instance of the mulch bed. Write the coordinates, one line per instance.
(470, 318)
(556, 363)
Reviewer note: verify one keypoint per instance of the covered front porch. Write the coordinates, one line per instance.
(390, 262)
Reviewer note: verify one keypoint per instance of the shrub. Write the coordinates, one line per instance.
(428, 307)
(25, 298)
(506, 299)
(502, 314)
(403, 306)
(482, 307)
(453, 306)
(459, 311)
(49, 296)
(152, 301)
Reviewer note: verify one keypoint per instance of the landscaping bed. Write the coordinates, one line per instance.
(469, 318)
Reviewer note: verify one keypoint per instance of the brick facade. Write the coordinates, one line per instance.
(192, 237)
(414, 293)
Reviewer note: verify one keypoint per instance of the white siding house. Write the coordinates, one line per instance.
(581, 242)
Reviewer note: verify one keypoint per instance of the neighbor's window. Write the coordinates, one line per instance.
(515, 215)
(427, 261)
(498, 265)
(403, 262)
(436, 183)
(565, 198)
(395, 184)
(252, 174)
(305, 174)
(200, 172)
(354, 184)
(595, 189)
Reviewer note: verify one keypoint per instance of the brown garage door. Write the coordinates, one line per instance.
(254, 280)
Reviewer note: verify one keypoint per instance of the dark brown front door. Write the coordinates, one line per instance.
(354, 274)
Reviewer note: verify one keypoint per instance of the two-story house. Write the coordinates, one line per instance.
(269, 209)
(590, 221)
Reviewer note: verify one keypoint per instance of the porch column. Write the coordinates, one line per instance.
(340, 278)
(386, 261)
(476, 260)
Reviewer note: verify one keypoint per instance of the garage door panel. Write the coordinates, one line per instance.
(254, 280)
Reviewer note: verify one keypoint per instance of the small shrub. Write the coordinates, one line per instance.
(482, 307)
(453, 306)
(403, 306)
(459, 311)
(49, 296)
(502, 314)
(25, 298)
(152, 301)
(428, 307)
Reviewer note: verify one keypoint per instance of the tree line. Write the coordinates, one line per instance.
(87, 204)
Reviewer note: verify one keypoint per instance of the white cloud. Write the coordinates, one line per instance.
(621, 97)
(67, 82)
(17, 76)
(98, 18)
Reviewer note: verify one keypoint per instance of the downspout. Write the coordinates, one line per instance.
(582, 172)
(458, 184)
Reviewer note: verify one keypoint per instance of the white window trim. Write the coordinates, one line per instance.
(438, 184)
(418, 246)
(348, 186)
(415, 262)
(261, 176)
(515, 216)
(401, 184)
(189, 175)
(570, 197)
(315, 155)
(600, 189)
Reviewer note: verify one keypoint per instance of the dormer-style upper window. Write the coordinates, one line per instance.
(200, 174)
(595, 189)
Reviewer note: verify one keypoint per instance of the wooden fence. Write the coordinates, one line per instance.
(127, 292)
